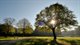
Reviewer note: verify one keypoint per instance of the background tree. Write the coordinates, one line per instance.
(29, 30)
(43, 31)
(3, 30)
(77, 31)
(62, 15)
(8, 22)
(23, 24)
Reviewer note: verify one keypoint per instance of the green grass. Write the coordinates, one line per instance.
(43, 40)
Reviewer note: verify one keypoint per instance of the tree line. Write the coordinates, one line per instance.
(22, 28)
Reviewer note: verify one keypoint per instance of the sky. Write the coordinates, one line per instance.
(19, 9)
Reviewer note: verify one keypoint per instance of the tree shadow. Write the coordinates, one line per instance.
(53, 42)
(73, 42)
(37, 42)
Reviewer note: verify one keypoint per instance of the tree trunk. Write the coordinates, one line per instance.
(8, 29)
(54, 34)
(23, 31)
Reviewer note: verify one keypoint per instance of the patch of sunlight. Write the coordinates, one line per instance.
(48, 44)
(63, 42)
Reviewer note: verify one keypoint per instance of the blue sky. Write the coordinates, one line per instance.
(28, 9)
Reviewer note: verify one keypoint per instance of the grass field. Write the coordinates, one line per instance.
(39, 41)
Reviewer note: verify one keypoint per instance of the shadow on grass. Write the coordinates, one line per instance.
(37, 42)
(53, 42)
(72, 42)
(40, 42)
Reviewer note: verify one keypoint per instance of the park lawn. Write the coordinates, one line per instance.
(20, 38)
(43, 40)
(38, 37)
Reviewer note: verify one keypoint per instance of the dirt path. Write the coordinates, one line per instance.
(8, 42)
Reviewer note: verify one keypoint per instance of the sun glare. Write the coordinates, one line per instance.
(53, 22)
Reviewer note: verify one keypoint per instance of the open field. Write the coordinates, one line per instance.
(39, 41)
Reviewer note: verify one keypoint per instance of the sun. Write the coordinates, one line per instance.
(53, 22)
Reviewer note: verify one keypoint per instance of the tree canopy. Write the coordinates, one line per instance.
(64, 17)
(24, 25)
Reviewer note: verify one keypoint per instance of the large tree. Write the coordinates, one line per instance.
(8, 22)
(56, 17)
(23, 24)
